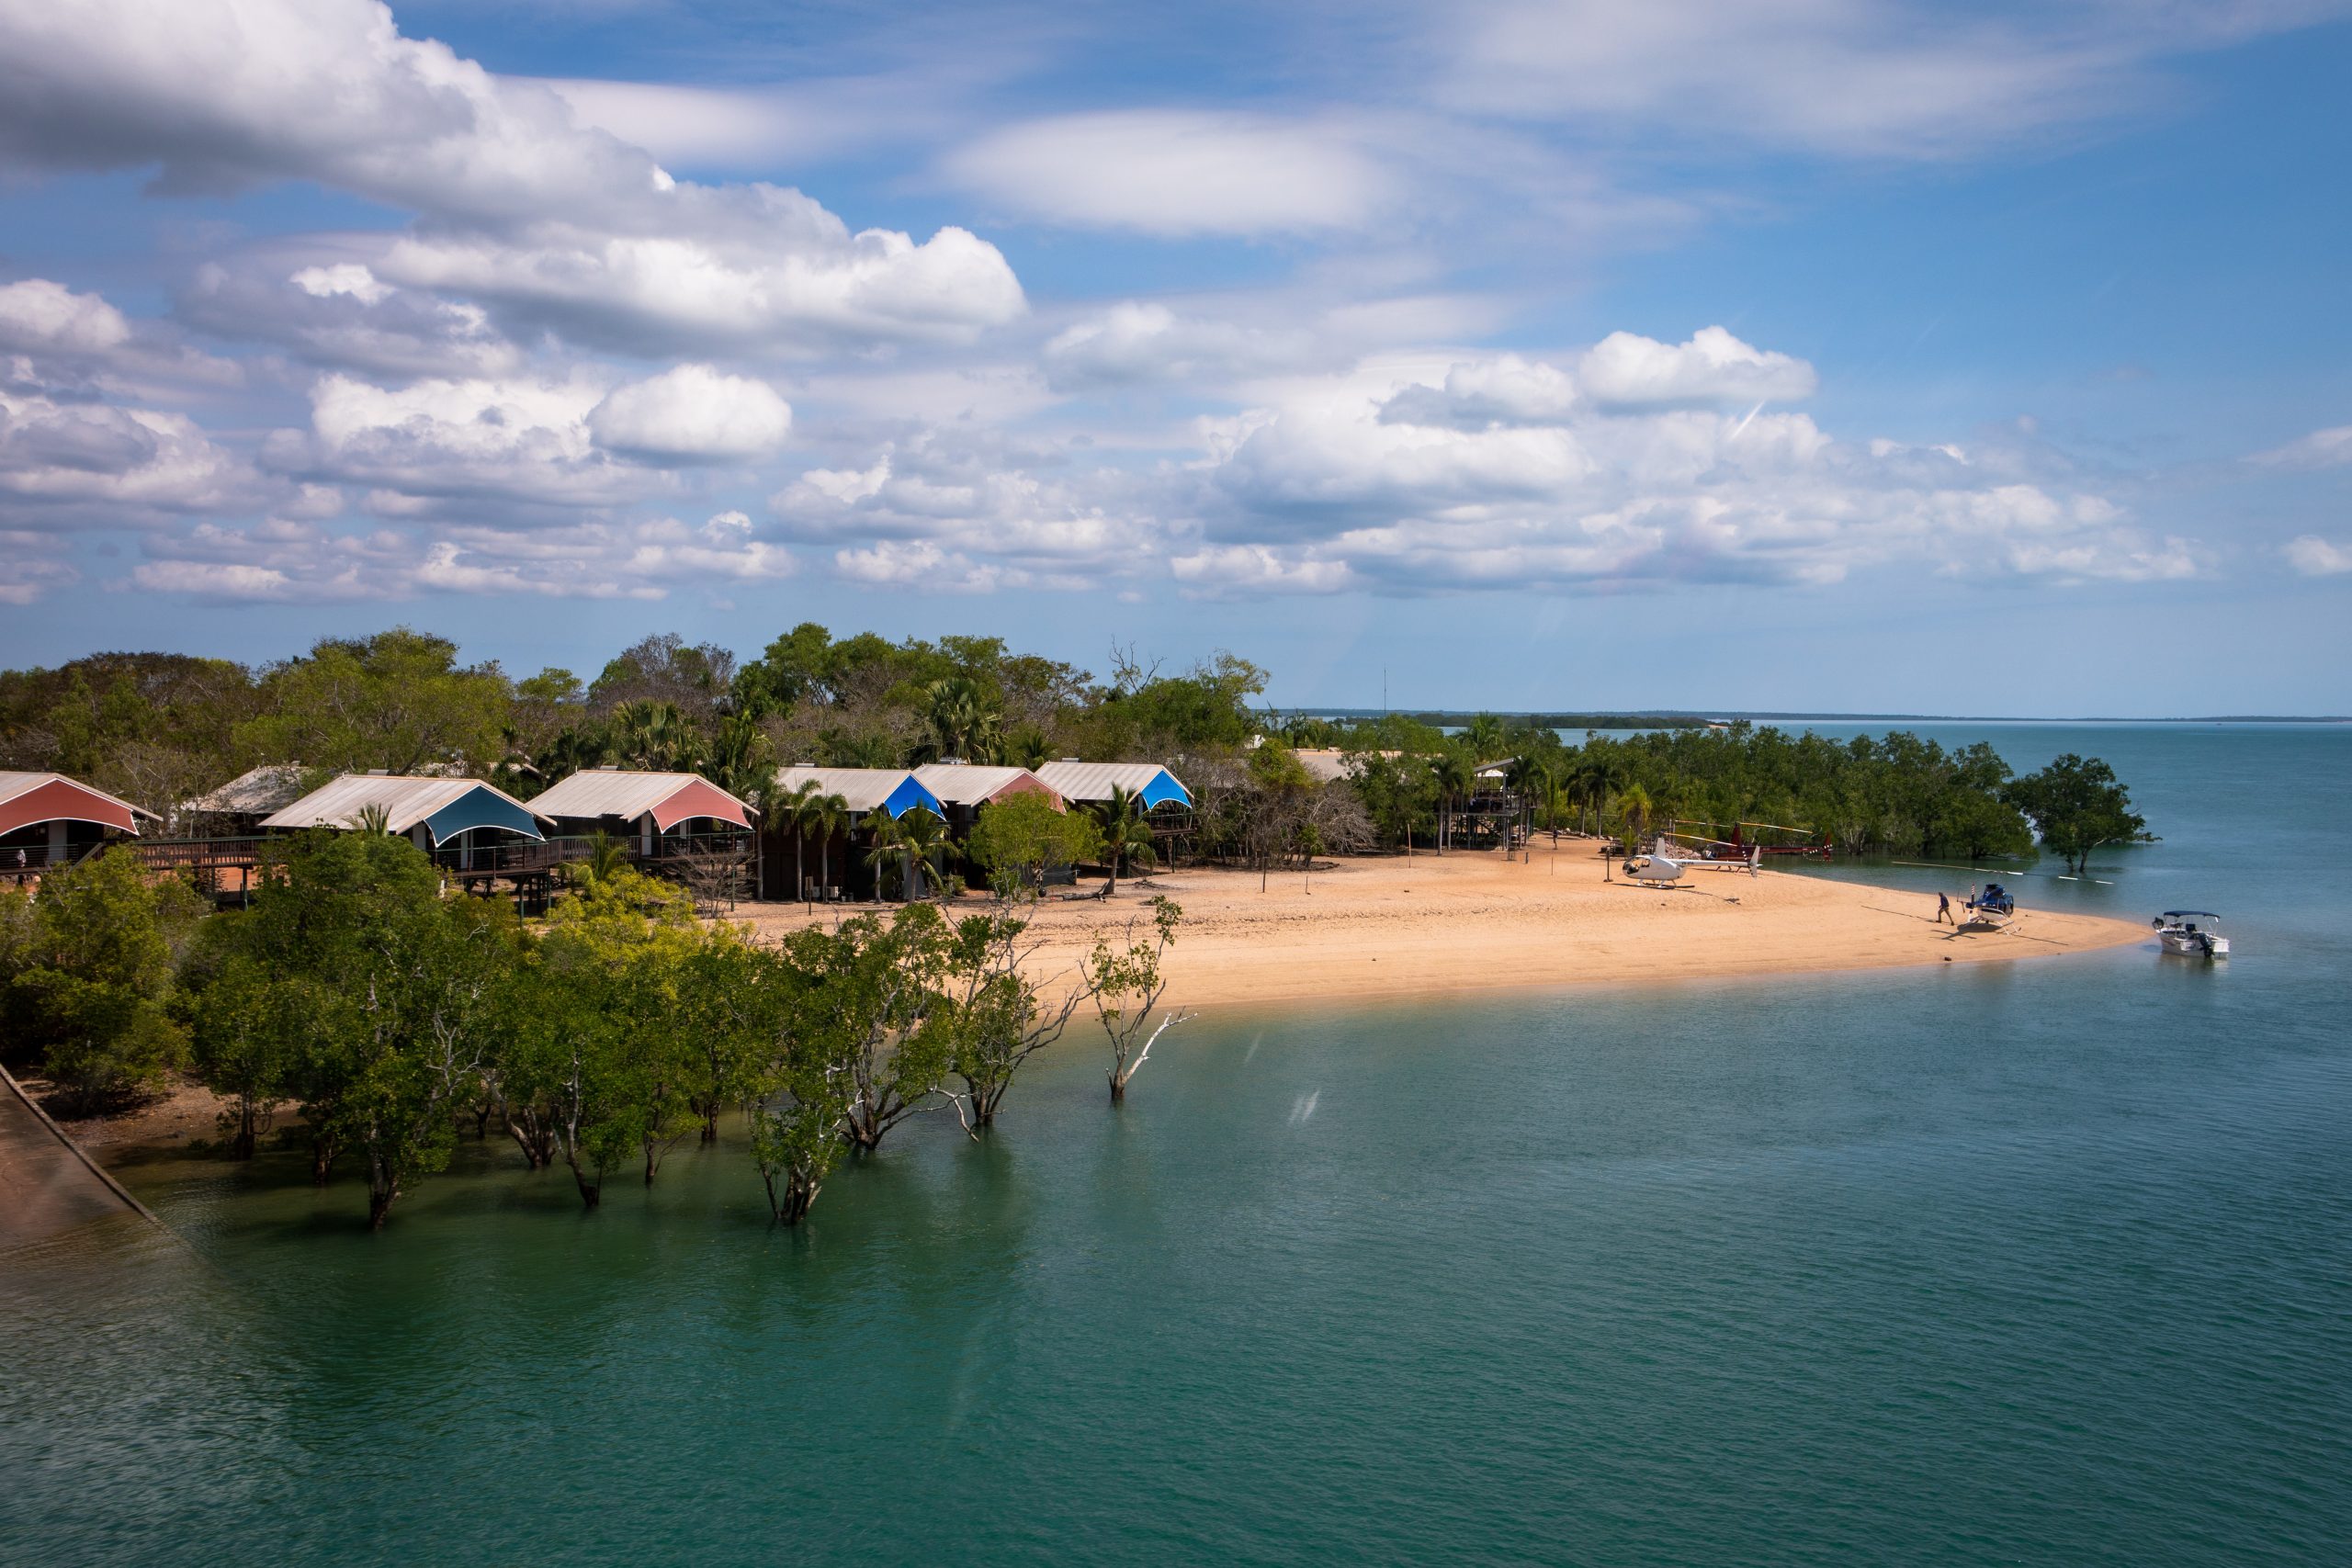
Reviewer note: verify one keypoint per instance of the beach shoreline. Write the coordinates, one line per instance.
(1388, 927)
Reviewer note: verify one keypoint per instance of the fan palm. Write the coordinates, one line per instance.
(961, 720)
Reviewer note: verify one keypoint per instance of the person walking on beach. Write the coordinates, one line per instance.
(1943, 909)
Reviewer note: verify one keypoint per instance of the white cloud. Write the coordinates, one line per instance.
(1846, 77)
(39, 316)
(691, 413)
(732, 269)
(341, 315)
(2314, 557)
(90, 462)
(1139, 340)
(2320, 449)
(1628, 370)
(526, 441)
(1178, 172)
(287, 559)
(557, 222)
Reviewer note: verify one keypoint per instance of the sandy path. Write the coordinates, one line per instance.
(1390, 927)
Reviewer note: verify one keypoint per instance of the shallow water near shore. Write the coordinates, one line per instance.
(2045, 1262)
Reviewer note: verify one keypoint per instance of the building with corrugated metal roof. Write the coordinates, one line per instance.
(1090, 783)
(48, 820)
(454, 816)
(830, 866)
(641, 806)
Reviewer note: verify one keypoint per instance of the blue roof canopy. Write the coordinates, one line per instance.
(1163, 787)
(481, 807)
(910, 794)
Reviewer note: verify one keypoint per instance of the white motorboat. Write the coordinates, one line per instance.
(2192, 933)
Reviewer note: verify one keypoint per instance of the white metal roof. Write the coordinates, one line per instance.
(406, 801)
(616, 792)
(863, 789)
(1092, 781)
(265, 788)
(971, 784)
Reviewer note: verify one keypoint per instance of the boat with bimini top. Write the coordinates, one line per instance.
(2180, 931)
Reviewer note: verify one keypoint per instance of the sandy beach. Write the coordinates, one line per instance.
(1388, 926)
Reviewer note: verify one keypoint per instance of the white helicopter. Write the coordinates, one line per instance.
(1658, 867)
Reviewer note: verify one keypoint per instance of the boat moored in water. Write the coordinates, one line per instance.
(2192, 933)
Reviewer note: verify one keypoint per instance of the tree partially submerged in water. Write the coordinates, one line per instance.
(2076, 804)
(1128, 983)
(993, 1013)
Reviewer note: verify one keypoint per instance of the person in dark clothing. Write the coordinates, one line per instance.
(1943, 909)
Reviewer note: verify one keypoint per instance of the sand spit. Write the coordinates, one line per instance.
(1392, 927)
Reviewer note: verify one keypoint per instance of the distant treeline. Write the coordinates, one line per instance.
(1893, 794)
(1446, 719)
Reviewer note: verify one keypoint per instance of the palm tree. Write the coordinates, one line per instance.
(1028, 748)
(962, 722)
(372, 818)
(890, 841)
(654, 735)
(825, 815)
(1455, 778)
(1126, 831)
(741, 758)
(923, 836)
(1532, 779)
(1484, 737)
(1633, 808)
(793, 809)
(606, 855)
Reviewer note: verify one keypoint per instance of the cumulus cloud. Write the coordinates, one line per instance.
(341, 316)
(65, 462)
(2314, 557)
(524, 441)
(534, 212)
(1178, 172)
(38, 316)
(692, 413)
(1627, 370)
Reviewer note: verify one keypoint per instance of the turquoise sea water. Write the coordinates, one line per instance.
(2046, 1262)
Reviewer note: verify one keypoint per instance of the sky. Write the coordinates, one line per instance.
(1775, 354)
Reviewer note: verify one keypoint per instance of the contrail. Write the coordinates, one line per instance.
(1304, 1107)
(1743, 424)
